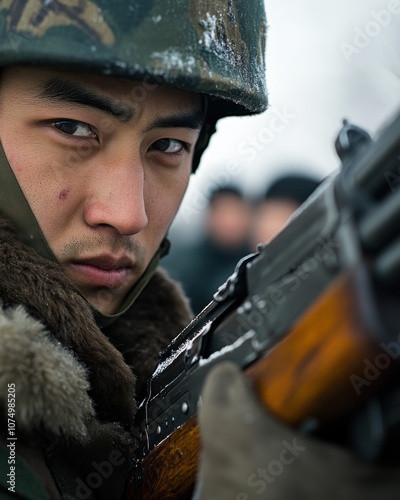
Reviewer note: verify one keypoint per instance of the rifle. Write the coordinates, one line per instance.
(312, 319)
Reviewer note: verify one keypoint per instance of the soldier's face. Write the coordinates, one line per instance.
(104, 164)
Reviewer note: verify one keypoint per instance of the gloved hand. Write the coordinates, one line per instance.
(247, 454)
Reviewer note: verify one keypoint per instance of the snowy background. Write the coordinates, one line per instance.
(325, 61)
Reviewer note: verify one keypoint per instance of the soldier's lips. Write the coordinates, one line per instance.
(102, 271)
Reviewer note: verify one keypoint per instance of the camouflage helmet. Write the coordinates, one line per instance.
(214, 47)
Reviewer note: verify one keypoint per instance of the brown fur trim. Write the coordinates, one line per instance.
(47, 294)
(157, 316)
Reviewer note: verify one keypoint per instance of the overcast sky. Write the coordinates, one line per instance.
(325, 61)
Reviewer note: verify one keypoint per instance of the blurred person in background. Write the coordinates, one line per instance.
(204, 266)
(281, 199)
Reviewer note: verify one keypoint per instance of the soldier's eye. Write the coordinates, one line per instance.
(75, 128)
(170, 145)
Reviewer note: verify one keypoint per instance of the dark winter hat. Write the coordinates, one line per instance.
(226, 190)
(294, 187)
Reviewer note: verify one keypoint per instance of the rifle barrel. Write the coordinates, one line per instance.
(387, 267)
(380, 226)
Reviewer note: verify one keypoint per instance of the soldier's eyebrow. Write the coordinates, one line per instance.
(69, 91)
(191, 119)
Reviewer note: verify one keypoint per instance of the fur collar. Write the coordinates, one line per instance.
(68, 372)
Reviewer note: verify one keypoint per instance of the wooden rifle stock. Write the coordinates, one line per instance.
(307, 374)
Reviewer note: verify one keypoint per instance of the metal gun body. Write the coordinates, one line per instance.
(341, 227)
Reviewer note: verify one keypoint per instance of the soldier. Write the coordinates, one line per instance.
(105, 108)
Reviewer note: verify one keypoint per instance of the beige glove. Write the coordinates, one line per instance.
(247, 454)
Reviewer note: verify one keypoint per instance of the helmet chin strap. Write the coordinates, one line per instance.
(15, 207)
